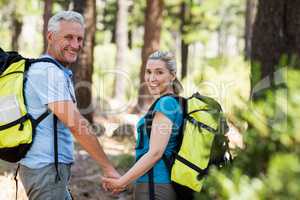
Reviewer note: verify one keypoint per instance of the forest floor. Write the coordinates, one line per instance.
(85, 183)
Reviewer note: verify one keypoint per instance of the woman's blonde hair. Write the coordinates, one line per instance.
(170, 61)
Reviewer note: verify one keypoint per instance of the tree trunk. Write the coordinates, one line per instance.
(65, 4)
(47, 14)
(222, 40)
(249, 20)
(152, 27)
(83, 69)
(130, 39)
(276, 32)
(16, 31)
(121, 42)
(184, 45)
(15, 26)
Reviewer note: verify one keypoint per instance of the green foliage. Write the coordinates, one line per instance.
(269, 166)
(109, 15)
(204, 18)
(225, 79)
(124, 161)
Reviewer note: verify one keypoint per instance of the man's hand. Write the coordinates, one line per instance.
(111, 173)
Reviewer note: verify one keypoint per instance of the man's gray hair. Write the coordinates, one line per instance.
(70, 16)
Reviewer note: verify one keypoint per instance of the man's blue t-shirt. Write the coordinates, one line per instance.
(169, 107)
(47, 83)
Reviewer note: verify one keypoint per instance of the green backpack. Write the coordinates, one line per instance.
(17, 127)
(202, 143)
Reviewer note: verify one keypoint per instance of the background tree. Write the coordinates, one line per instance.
(65, 4)
(276, 33)
(109, 20)
(184, 16)
(152, 30)
(249, 20)
(46, 16)
(83, 70)
(272, 137)
(121, 42)
(16, 24)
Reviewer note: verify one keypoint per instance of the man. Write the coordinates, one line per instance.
(50, 87)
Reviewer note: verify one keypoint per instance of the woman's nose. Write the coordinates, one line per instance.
(152, 77)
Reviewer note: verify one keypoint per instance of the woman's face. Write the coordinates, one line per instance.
(158, 78)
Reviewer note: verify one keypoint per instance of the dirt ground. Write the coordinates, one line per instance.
(85, 182)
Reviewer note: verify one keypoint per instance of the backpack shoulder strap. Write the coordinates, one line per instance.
(150, 114)
(148, 124)
(55, 119)
(46, 59)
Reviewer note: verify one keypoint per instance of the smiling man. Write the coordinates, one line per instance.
(45, 170)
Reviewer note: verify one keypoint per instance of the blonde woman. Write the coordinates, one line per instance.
(162, 83)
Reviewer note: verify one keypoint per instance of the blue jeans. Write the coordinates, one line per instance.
(40, 183)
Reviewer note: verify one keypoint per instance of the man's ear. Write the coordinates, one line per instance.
(50, 36)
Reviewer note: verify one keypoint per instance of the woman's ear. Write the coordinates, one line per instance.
(173, 77)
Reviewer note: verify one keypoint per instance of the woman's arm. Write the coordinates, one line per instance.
(160, 134)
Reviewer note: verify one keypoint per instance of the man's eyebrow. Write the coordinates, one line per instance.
(157, 68)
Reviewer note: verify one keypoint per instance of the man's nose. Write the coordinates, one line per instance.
(76, 44)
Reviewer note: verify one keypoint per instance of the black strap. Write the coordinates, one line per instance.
(201, 125)
(42, 117)
(167, 163)
(140, 144)
(46, 59)
(70, 194)
(16, 180)
(18, 121)
(151, 184)
(148, 125)
(201, 172)
(150, 114)
(55, 148)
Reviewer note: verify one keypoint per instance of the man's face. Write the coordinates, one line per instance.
(65, 44)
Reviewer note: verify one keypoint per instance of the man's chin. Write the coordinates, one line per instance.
(72, 60)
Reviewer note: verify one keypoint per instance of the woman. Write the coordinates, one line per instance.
(160, 77)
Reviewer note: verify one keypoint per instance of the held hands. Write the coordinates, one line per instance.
(111, 174)
(115, 185)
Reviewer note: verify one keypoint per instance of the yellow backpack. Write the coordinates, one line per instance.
(202, 143)
(17, 127)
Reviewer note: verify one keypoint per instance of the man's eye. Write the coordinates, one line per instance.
(68, 37)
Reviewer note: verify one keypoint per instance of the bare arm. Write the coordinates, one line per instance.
(160, 134)
(67, 112)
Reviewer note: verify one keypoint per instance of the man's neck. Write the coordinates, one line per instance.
(54, 57)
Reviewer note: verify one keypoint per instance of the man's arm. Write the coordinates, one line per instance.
(67, 112)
